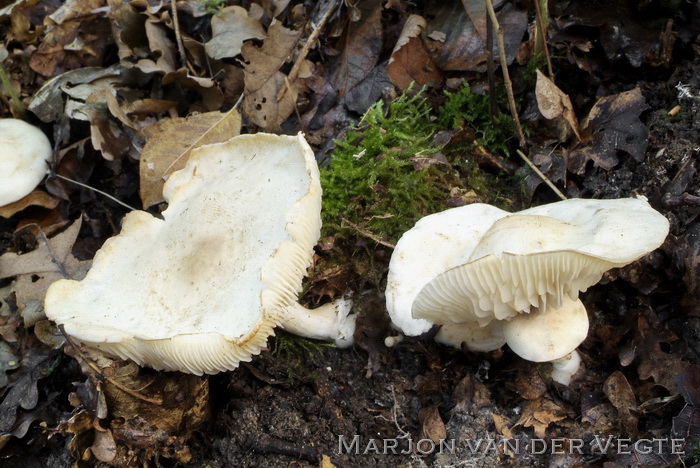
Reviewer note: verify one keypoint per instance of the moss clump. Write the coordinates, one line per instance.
(388, 173)
(464, 108)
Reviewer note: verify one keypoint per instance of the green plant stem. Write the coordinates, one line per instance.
(7, 84)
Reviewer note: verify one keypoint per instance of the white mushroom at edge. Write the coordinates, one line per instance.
(532, 265)
(202, 289)
(24, 151)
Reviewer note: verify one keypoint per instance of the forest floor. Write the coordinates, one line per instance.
(104, 79)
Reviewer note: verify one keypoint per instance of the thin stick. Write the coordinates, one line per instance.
(506, 75)
(366, 233)
(491, 70)
(294, 72)
(101, 374)
(95, 190)
(541, 174)
(543, 35)
(178, 37)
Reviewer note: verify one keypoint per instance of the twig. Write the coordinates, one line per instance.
(541, 174)
(101, 374)
(114, 199)
(366, 233)
(543, 35)
(504, 68)
(491, 70)
(669, 200)
(294, 72)
(178, 36)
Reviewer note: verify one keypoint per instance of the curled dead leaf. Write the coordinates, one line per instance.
(169, 145)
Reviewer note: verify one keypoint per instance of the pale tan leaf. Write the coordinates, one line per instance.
(264, 81)
(36, 198)
(554, 103)
(169, 145)
(229, 29)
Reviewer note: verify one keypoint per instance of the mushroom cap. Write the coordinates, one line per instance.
(24, 150)
(547, 335)
(436, 243)
(539, 256)
(201, 289)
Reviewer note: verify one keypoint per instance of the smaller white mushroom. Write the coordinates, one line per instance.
(24, 151)
(515, 278)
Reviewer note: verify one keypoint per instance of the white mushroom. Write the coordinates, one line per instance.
(435, 244)
(24, 151)
(524, 271)
(202, 289)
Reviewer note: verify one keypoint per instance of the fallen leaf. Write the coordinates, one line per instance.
(540, 413)
(613, 125)
(162, 50)
(410, 61)
(48, 102)
(36, 198)
(38, 269)
(456, 34)
(687, 423)
(554, 104)
(652, 361)
(501, 424)
(620, 393)
(360, 47)
(432, 426)
(229, 29)
(103, 447)
(23, 392)
(264, 81)
(169, 145)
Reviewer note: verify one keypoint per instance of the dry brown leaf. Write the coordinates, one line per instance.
(36, 198)
(501, 424)
(612, 126)
(432, 426)
(326, 462)
(539, 414)
(162, 48)
(620, 393)
(38, 269)
(360, 48)
(410, 61)
(264, 81)
(554, 104)
(169, 145)
(456, 33)
(229, 29)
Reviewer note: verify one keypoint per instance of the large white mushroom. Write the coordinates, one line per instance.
(523, 271)
(24, 152)
(201, 289)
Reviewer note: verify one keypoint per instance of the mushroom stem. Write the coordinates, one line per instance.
(329, 322)
(564, 368)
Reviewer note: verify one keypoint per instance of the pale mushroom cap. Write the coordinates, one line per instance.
(24, 151)
(538, 257)
(436, 243)
(202, 289)
(547, 335)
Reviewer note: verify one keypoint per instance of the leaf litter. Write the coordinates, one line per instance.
(125, 104)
